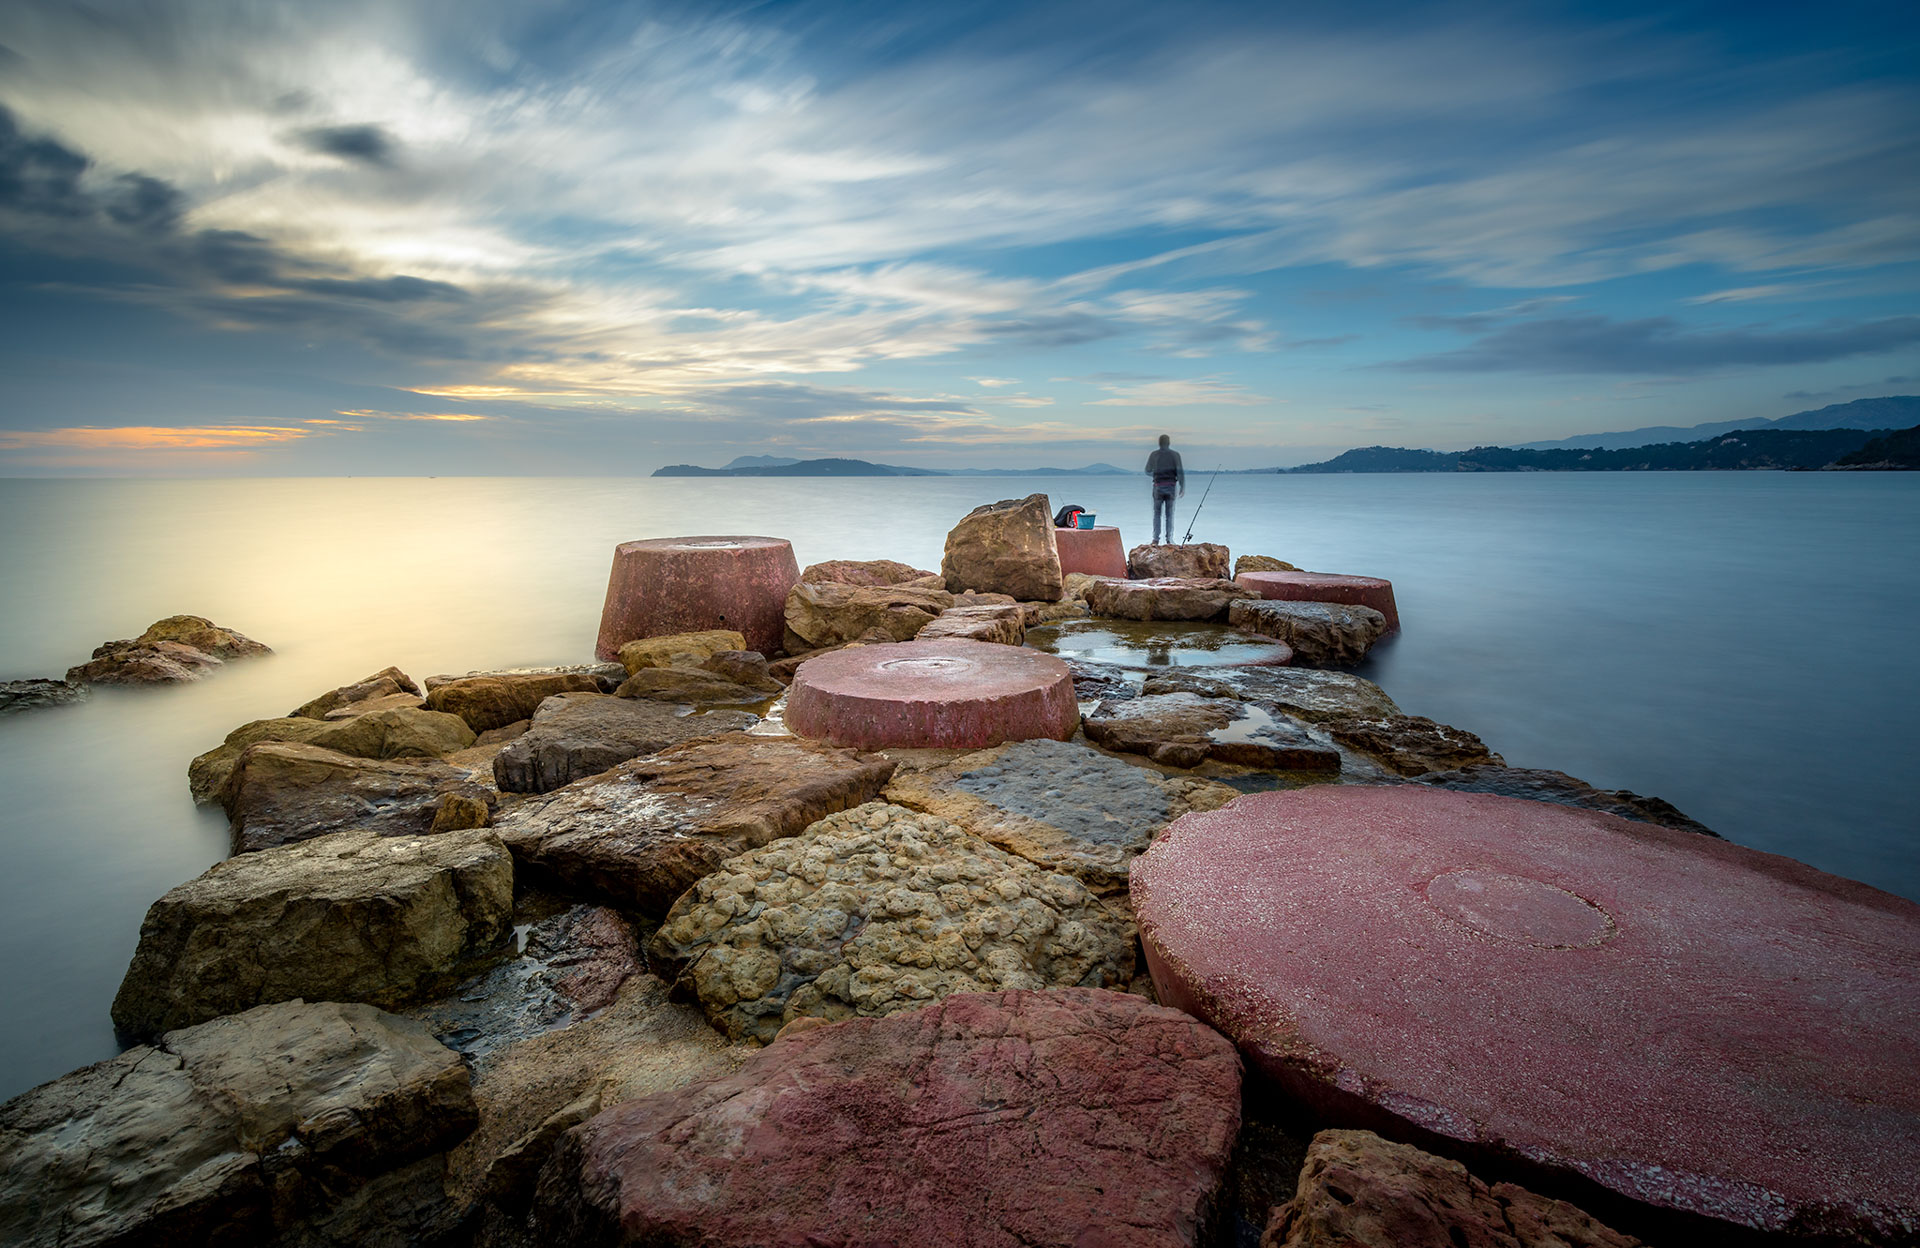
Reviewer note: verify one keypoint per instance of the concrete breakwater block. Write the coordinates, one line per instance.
(1685, 1023)
(1353, 591)
(1096, 551)
(669, 585)
(948, 693)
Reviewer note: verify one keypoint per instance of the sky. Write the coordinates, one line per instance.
(470, 237)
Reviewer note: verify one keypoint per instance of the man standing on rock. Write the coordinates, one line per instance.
(1169, 477)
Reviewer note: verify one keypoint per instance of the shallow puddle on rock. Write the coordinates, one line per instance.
(1138, 645)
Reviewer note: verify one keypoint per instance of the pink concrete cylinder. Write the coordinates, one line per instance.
(667, 585)
(950, 694)
(1097, 550)
(1354, 591)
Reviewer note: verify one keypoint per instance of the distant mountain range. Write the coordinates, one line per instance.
(1894, 412)
(775, 466)
(1740, 449)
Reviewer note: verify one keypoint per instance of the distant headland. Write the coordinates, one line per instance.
(774, 466)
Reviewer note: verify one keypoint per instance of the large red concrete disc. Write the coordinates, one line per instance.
(667, 585)
(1354, 591)
(948, 693)
(1097, 550)
(1689, 1024)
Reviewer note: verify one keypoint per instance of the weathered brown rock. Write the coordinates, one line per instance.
(1360, 1191)
(1412, 745)
(1060, 805)
(1046, 1119)
(404, 732)
(130, 663)
(1358, 591)
(347, 917)
(1005, 548)
(495, 701)
(1185, 730)
(1197, 559)
(744, 667)
(203, 635)
(879, 909)
(638, 836)
(1005, 624)
(458, 812)
(679, 649)
(1321, 633)
(1164, 598)
(1073, 585)
(1301, 692)
(280, 792)
(575, 735)
(829, 614)
(25, 695)
(607, 674)
(870, 572)
(1539, 785)
(695, 687)
(1261, 563)
(233, 1132)
(386, 683)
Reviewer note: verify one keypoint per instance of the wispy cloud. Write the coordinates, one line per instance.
(1661, 345)
(1178, 392)
(152, 438)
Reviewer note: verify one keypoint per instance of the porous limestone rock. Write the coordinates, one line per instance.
(494, 701)
(678, 649)
(1200, 559)
(640, 834)
(279, 792)
(1321, 633)
(1072, 1117)
(575, 735)
(1301, 692)
(400, 732)
(871, 572)
(1412, 744)
(26, 695)
(353, 916)
(1185, 730)
(879, 909)
(1164, 598)
(1058, 804)
(1539, 785)
(1003, 623)
(827, 614)
(1261, 563)
(388, 682)
(1006, 547)
(1360, 1191)
(237, 1131)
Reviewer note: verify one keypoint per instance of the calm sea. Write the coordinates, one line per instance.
(1742, 644)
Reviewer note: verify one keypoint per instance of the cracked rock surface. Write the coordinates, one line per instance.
(1321, 633)
(575, 735)
(1186, 730)
(280, 792)
(1412, 745)
(876, 910)
(1002, 1120)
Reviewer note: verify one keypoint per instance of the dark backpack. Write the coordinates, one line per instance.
(1067, 517)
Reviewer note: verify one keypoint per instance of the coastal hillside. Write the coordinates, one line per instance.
(1892, 412)
(1895, 450)
(1746, 449)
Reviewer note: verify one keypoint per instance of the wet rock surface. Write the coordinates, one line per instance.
(692, 686)
(829, 614)
(1297, 586)
(1321, 633)
(388, 682)
(1164, 598)
(1201, 559)
(575, 735)
(870, 572)
(1301, 692)
(1411, 745)
(1156, 646)
(397, 732)
(280, 792)
(268, 1123)
(1005, 624)
(678, 649)
(1006, 547)
(1539, 785)
(27, 695)
(1058, 804)
(1185, 730)
(1694, 1027)
(639, 835)
(875, 910)
(494, 701)
(1360, 1191)
(1075, 1117)
(353, 916)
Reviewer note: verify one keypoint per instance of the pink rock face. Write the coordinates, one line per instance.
(1692, 1025)
(1096, 551)
(1354, 591)
(690, 584)
(948, 693)
(986, 1120)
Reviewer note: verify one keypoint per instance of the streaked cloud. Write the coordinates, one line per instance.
(152, 437)
(1661, 345)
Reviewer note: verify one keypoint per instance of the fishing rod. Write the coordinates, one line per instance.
(1203, 502)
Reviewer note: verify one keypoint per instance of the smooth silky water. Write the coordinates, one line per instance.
(1742, 644)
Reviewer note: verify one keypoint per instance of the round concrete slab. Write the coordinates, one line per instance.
(1097, 551)
(668, 585)
(1691, 1025)
(946, 693)
(1354, 591)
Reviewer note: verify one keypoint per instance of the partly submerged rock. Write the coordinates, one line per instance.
(353, 916)
(26, 695)
(1074, 1117)
(1185, 730)
(828, 614)
(130, 663)
(1301, 692)
(270, 1123)
(1202, 559)
(1006, 547)
(639, 835)
(1562, 789)
(400, 732)
(494, 701)
(1321, 633)
(203, 635)
(279, 792)
(575, 735)
(1360, 1191)
(678, 649)
(1411, 745)
(1165, 598)
(385, 684)
(879, 909)
(870, 572)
